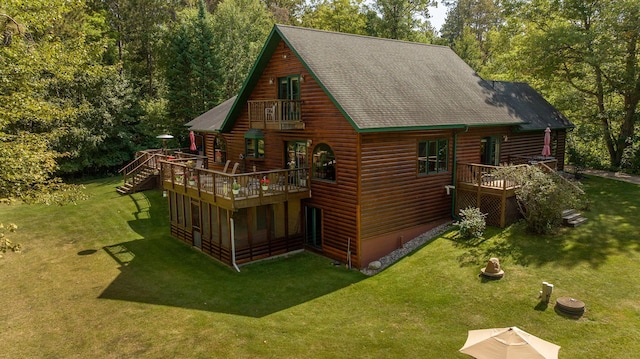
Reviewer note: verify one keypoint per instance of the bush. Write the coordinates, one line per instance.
(472, 223)
(542, 196)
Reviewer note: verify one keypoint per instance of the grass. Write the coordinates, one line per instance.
(104, 279)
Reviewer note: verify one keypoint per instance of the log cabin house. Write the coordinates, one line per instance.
(350, 146)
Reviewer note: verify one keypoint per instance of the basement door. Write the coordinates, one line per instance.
(313, 226)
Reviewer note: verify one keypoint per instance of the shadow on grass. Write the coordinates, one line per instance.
(159, 269)
(611, 230)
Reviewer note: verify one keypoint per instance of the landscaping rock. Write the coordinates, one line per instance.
(375, 265)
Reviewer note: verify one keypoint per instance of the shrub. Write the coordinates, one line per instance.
(5, 243)
(542, 196)
(472, 223)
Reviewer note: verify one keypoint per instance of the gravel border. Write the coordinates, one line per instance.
(407, 248)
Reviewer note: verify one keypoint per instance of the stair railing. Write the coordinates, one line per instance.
(134, 168)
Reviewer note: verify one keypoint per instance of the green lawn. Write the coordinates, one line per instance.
(103, 279)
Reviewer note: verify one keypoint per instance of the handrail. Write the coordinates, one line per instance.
(550, 170)
(252, 184)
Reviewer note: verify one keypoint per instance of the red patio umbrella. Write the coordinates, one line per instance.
(192, 137)
(546, 150)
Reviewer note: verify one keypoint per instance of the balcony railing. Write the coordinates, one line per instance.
(276, 114)
(235, 191)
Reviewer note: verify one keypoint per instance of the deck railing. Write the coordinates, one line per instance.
(235, 187)
(276, 114)
(149, 160)
(483, 176)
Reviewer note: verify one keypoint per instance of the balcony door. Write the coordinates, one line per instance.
(289, 88)
(490, 151)
(289, 92)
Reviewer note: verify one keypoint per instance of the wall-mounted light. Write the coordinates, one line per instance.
(270, 80)
(301, 78)
(505, 138)
(284, 56)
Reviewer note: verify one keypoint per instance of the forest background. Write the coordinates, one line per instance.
(86, 83)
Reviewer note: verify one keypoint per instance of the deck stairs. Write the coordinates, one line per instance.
(141, 174)
(146, 178)
(572, 218)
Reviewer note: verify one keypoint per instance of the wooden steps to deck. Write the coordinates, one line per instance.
(572, 218)
(143, 180)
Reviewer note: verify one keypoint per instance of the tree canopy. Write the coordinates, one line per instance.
(86, 83)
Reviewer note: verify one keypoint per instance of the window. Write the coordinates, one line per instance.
(254, 143)
(433, 156)
(219, 150)
(324, 163)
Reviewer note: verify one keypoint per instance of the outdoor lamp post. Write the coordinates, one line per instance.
(164, 139)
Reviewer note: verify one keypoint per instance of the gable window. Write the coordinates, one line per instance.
(324, 163)
(219, 150)
(432, 156)
(254, 143)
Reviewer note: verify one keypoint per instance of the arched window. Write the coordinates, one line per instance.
(324, 163)
(220, 150)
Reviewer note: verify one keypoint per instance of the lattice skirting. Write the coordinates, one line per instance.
(490, 204)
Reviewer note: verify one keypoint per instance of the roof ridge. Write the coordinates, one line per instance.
(361, 36)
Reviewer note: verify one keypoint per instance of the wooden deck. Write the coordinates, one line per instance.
(483, 187)
(217, 187)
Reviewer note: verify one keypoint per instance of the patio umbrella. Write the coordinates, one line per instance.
(507, 343)
(192, 137)
(546, 150)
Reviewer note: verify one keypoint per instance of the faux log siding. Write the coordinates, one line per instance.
(518, 144)
(394, 196)
(468, 147)
(323, 124)
(530, 144)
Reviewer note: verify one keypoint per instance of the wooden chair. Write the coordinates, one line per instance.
(270, 113)
(226, 166)
(235, 168)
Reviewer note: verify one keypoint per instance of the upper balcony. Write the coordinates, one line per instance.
(276, 114)
(234, 191)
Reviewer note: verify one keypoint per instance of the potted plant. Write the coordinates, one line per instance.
(179, 178)
(264, 182)
(192, 180)
(235, 188)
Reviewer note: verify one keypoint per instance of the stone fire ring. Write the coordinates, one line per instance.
(570, 306)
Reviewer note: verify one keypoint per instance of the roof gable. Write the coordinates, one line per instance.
(383, 85)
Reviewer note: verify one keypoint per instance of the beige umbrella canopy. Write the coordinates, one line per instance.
(507, 343)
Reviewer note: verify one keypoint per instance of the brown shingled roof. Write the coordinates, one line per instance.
(382, 83)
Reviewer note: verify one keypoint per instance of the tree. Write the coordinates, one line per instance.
(337, 15)
(191, 69)
(44, 53)
(240, 28)
(542, 196)
(399, 18)
(470, 21)
(591, 48)
(467, 47)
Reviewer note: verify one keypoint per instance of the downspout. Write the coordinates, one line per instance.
(233, 244)
(455, 171)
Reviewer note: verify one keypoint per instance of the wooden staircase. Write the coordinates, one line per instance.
(146, 178)
(142, 173)
(571, 218)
